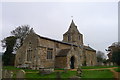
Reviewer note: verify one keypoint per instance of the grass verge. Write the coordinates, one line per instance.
(117, 69)
(52, 75)
(97, 74)
(96, 67)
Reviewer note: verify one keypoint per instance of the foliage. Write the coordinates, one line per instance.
(116, 56)
(9, 43)
(114, 53)
(12, 43)
(8, 56)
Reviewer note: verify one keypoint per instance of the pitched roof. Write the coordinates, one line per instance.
(63, 53)
(89, 48)
(72, 28)
(56, 40)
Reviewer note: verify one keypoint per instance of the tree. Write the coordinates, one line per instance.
(20, 33)
(114, 52)
(100, 56)
(12, 43)
(116, 57)
(8, 56)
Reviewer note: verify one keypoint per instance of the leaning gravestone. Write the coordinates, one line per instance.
(20, 74)
(79, 71)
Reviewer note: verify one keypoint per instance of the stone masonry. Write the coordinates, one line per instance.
(41, 52)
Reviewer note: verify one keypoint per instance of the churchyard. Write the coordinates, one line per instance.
(87, 72)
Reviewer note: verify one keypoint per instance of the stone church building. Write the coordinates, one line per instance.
(42, 52)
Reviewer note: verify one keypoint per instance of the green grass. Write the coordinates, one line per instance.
(59, 69)
(52, 75)
(117, 69)
(97, 74)
(68, 74)
(96, 67)
(86, 74)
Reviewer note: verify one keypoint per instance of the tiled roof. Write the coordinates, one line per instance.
(63, 53)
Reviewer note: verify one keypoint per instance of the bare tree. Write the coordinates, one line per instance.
(100, 56)
(20, 33)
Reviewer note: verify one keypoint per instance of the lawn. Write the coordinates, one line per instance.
(52, 75)
(97, 74)
(86, 74)
(117, 69)
(68, 74)
(96, 67)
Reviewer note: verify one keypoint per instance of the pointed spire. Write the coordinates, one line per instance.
(72, 24)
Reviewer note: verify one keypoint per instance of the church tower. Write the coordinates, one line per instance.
(73, 35)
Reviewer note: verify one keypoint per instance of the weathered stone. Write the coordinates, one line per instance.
(38, 51)
(7, 74)
(65, 70)
(79, 71)
(46, 71)
(20, 74)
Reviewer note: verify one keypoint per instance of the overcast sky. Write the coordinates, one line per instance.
(97, 21)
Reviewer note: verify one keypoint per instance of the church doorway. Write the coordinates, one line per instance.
(72, 61)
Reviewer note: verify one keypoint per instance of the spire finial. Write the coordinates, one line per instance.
(88, 45)
(72, 17)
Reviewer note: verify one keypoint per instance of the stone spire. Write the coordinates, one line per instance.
(72, 28)
(73, 35)
(72, 24)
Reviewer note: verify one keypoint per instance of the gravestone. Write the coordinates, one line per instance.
(58, 75)
(20, 74)
(46, 70)
(65, 70)
(79, 71)
(4, 73)
(7, 74)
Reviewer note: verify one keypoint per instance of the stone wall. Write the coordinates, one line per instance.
(30, 43)
(90, 58)
(38, 47)
(60, 62)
